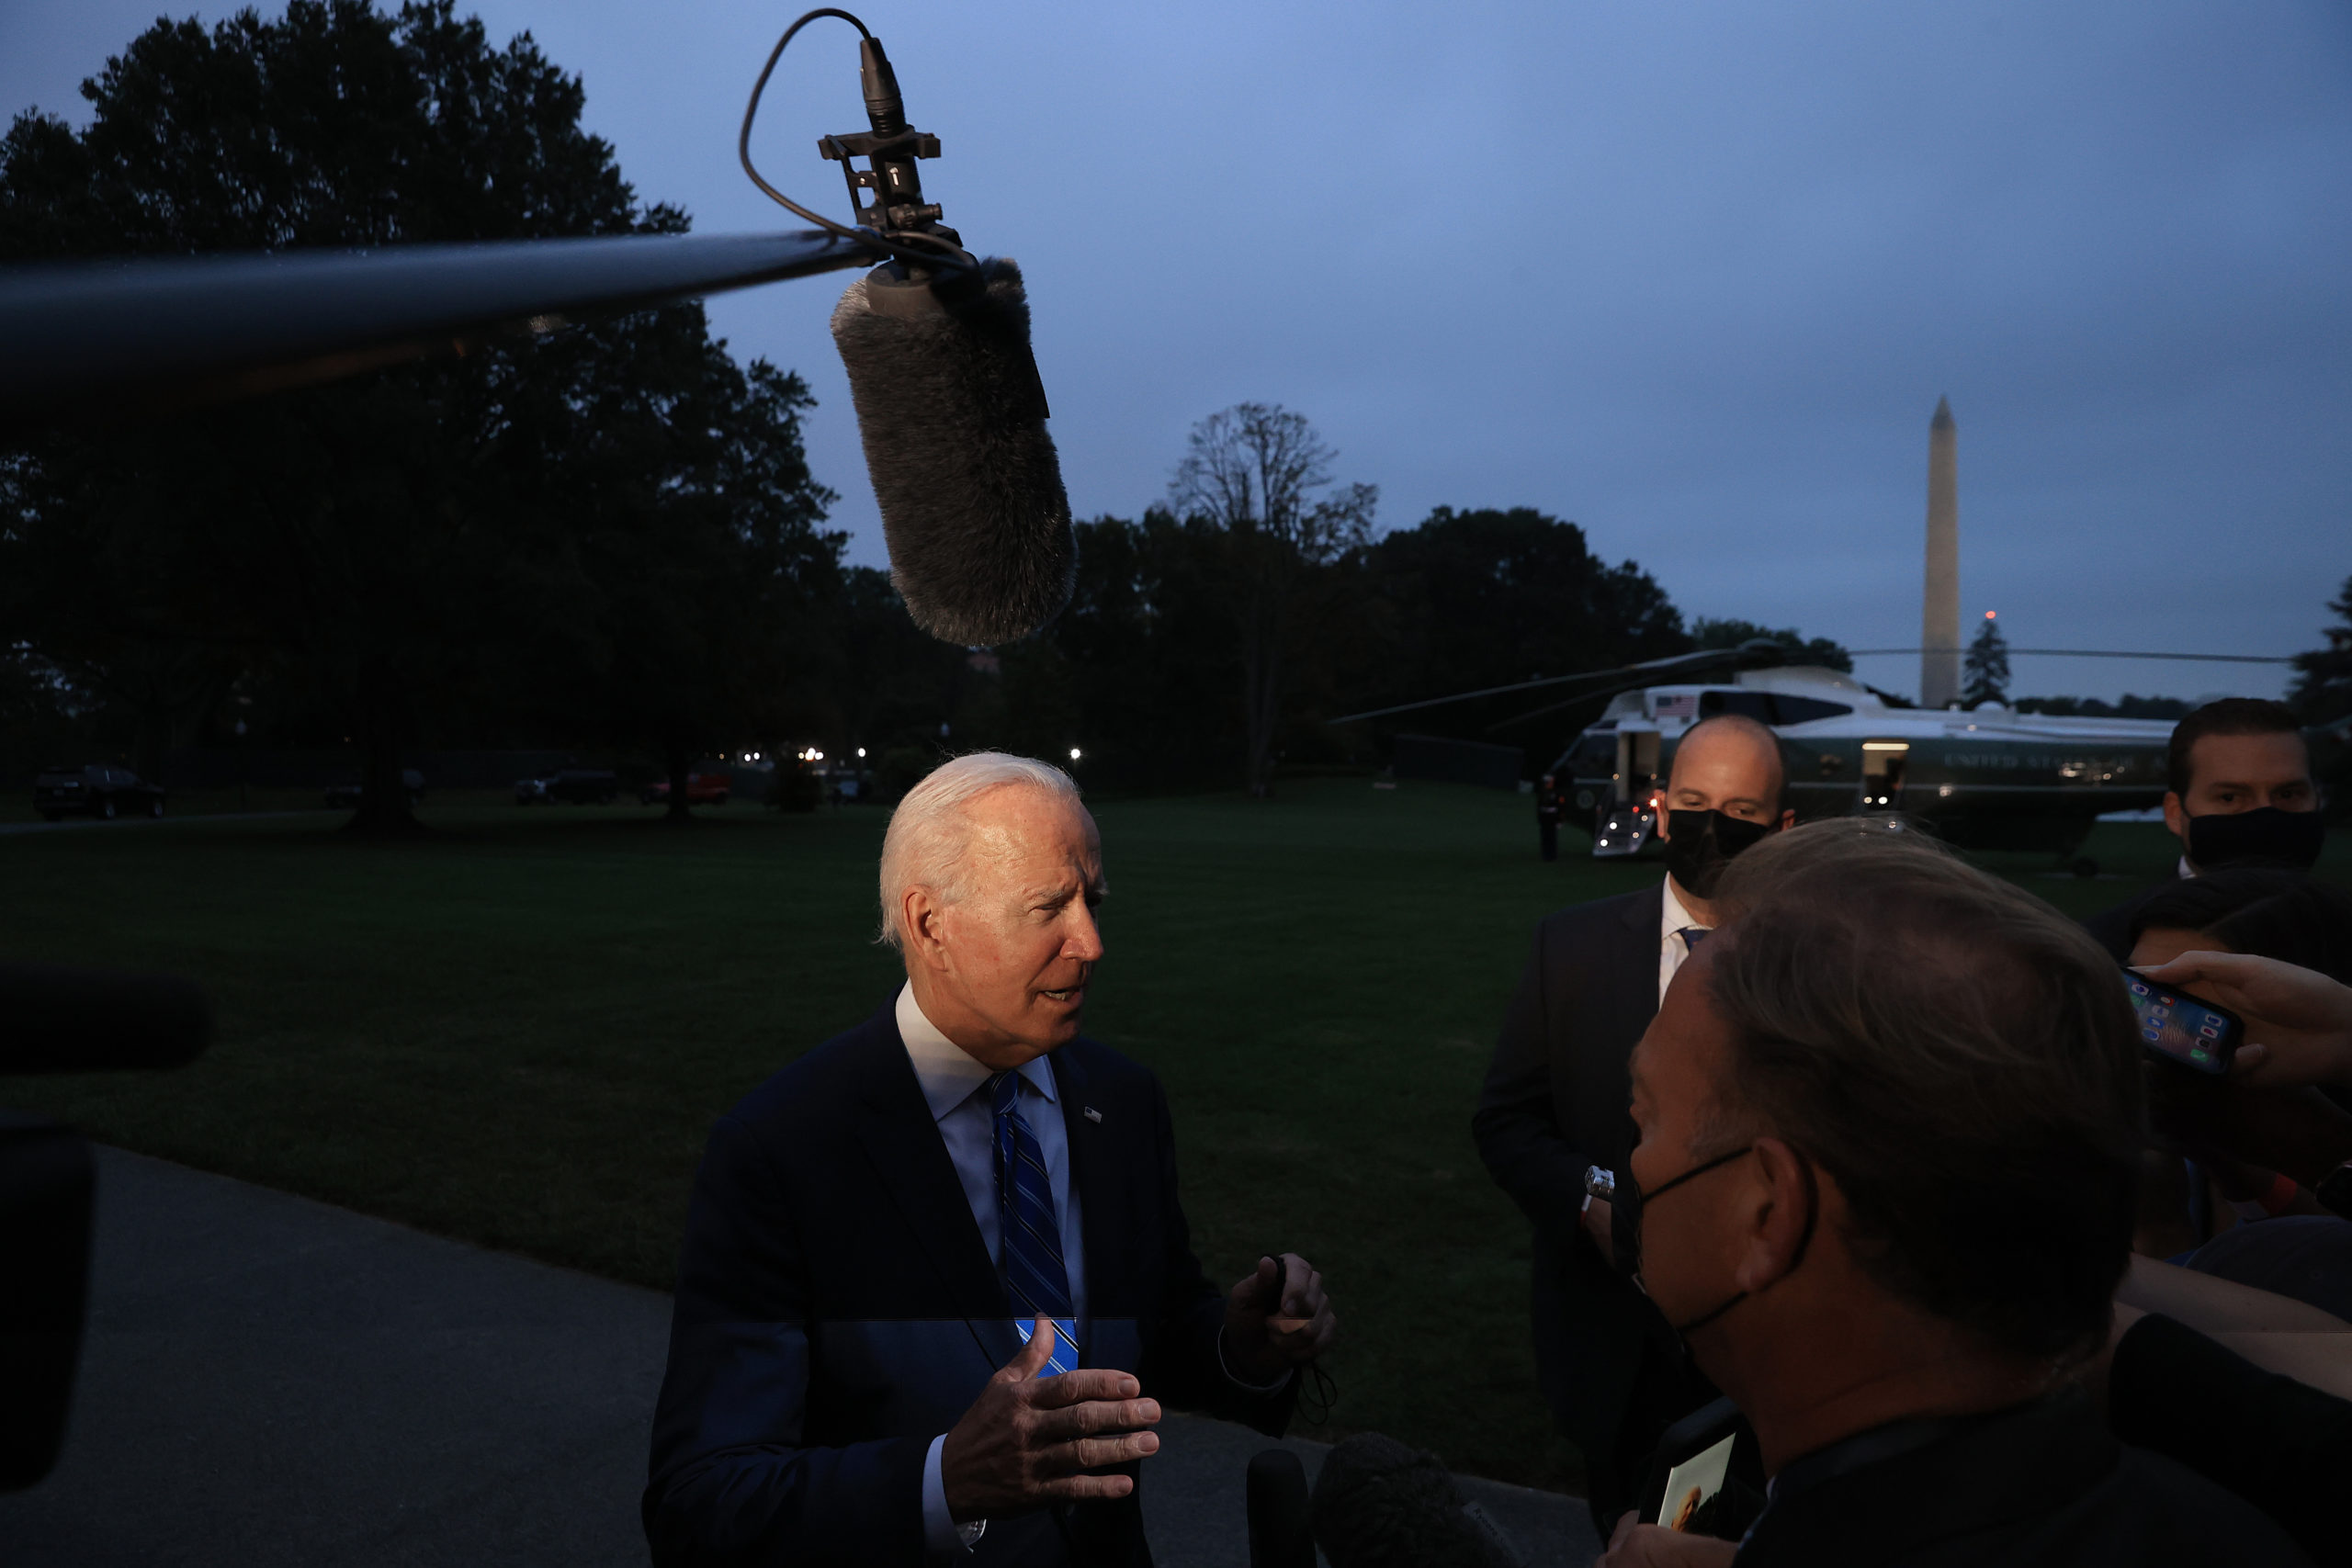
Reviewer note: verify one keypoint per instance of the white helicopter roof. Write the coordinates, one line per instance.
(1671, 710)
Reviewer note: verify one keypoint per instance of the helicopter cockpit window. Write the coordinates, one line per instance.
(1757, 706)
(1805, 710)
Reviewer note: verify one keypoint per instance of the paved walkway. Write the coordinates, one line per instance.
(270, 1381)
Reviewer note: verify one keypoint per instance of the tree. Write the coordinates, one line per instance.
(1464, 601)
(1821, 650)
(389, 548)
(2322, 695)
(1985, 675)
(690, 571)
(1250, 473)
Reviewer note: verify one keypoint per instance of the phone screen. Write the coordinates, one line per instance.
(2193, 1033)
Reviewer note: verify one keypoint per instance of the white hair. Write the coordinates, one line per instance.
(929, 831)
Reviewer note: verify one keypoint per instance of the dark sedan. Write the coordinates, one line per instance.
(96, 790)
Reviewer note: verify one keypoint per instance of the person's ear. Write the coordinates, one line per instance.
(2175, 816)
(922, 916)
(1788, 818)
(1778, 1215)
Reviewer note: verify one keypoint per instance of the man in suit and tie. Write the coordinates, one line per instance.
(937, 1286)
(1555, 1096)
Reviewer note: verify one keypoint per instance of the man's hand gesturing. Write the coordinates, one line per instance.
(1264, 1339)
(1027, 1440)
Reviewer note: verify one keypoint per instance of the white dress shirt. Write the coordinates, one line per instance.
(951, 1083)
(1671, 949)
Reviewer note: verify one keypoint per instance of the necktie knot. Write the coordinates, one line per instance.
(1692, 936)
(1004, 1094)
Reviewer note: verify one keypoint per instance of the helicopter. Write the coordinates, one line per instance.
(1983, 777)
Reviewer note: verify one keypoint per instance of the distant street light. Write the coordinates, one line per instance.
(1073, 753)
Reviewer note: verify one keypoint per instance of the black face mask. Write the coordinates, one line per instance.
(1700, 844)
(2265, 836)
(1633, 1202)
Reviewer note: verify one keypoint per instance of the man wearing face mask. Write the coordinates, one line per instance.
(1554, 1104)
(1888, 1140)
(2240, 794)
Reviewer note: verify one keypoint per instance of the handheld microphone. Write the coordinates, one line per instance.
(1281, 1535)
(1378, 1502)
(950, 408)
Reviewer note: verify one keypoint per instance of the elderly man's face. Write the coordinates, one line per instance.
(1009, 963)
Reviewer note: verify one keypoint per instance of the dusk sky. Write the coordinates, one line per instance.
(1690, 275)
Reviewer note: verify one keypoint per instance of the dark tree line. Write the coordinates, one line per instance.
(610, 531)
(607, 538)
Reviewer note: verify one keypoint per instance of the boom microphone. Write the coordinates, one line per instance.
(950, 408)
(953, 419)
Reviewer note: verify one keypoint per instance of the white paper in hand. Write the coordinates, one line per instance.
(1691, 1482)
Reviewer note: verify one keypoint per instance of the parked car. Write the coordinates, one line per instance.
(702, 789)
(95, 789)
(345, 796)
(574, 786)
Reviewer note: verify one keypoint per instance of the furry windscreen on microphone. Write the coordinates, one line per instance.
(1381, 1505)
(953, 417)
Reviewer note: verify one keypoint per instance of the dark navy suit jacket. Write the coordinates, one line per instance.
(837, 1310)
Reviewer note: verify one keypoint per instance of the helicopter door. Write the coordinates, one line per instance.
(1636, 765)
(1883, 766)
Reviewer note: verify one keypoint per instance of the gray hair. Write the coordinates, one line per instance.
(931, 831)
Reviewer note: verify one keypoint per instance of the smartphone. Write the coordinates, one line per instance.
(2199, 1035)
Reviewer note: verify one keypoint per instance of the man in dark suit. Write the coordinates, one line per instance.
(936, 1285)
(2239, 792)
(1889, 1123)
(1554, 1103)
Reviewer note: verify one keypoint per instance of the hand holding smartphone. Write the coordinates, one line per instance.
(2178, 1027)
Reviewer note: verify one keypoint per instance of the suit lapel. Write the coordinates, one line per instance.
(909, 1158)
(1636, 997)
(1099, 1178)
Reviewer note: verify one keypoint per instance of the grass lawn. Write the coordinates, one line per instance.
(518, 1029)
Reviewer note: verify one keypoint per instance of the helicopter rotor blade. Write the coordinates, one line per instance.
(1758, 653)
(2093, 653)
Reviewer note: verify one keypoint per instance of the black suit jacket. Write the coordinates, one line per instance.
(2113, 927)
(837, 1310)
(2044, 1486)
(1554, 1101)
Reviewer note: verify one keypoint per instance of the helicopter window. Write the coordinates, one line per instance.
(1757, 706)
(1805, 710)
(1595, 754)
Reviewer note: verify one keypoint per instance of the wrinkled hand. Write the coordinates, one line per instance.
(1634, 1544)
(1262, 1344)
(1026, 1440)
(2297, 1021)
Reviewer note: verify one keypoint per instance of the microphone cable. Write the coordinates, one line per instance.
(909, 246)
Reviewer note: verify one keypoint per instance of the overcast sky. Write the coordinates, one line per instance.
(1693, 275)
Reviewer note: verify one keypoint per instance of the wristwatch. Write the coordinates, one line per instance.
(1601, 1184)
(2334, 1190)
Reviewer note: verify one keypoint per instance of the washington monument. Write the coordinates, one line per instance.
(1939, 613)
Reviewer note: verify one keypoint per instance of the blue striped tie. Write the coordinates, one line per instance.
(1034, 1281)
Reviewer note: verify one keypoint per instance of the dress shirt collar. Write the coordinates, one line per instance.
(1674, 917)
(949, 1077)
